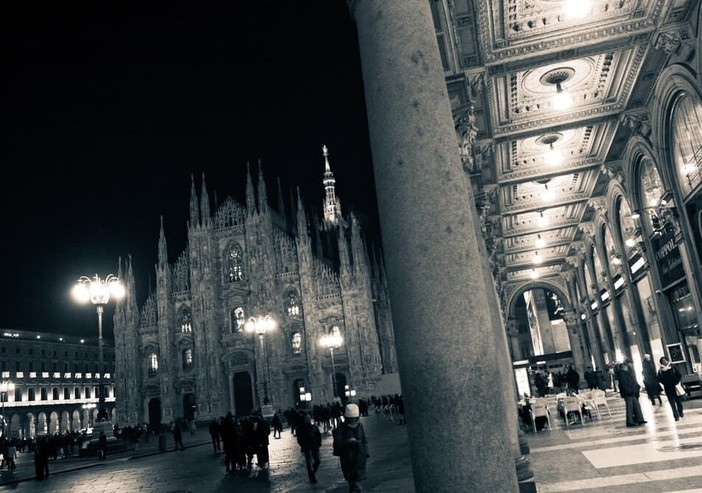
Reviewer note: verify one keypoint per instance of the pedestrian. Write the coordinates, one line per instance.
(261, 432)
(10, 456)
(351, 446)
(310, 439)
(669, 377)
(650, 380)
(177, 436)
(629, 389)
(277, 425)
(215, 430)
(192, 426)
(573, 379)
(41, 458)
(102, 446)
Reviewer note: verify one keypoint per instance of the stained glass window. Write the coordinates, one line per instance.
(235, 264)
(296, 342)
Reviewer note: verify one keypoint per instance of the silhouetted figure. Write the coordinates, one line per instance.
(310, 439)
(351, 446)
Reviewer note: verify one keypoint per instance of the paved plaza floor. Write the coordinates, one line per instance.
(599, 455)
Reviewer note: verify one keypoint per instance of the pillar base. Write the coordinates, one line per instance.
(523, 443)
(524, 472)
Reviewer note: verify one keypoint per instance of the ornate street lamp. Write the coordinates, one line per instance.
(89, 407)
(260, 326)
(333, 340)
(5, 388)
(98, 291)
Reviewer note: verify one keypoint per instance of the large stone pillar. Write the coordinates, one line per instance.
(447, 356)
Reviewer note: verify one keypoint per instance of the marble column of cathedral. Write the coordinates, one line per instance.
(448, 358)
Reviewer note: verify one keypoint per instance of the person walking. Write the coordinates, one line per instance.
(102, 446)
(310, 439)
(351, 446)
(177, 437)
(629, 390)
(277, 425)
(215, 430)
(669, 377)
(650, 380)
(573, 379)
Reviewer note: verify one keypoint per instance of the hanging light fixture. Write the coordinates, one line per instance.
(537, 259)
(534, 274)
(576, 9)
(542, 221)
(562, 100)
(540, 242)
(552, 155)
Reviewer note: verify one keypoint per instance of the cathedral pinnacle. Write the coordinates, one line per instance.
(332, 207)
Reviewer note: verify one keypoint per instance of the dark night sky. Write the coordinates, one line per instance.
(111, 106)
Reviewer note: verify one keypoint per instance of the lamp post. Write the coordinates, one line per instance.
(98, 292)
(260, 326)
(333, 340)
(5, 387)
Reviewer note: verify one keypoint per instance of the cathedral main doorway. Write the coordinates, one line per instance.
(243, 395)
(189, 407)
(155, 414)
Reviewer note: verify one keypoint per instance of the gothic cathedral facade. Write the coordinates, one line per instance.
(190, 352)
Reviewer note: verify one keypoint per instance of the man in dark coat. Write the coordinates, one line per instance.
(670, 377)
(310, 439)
(650, 380)
(573, 379)
(629, 390)
(214, 430)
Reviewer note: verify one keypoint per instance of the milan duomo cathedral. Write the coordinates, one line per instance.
(297, 280)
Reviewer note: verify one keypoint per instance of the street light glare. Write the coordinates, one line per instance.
(81, 293)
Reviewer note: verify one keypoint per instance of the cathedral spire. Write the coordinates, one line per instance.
(250, 195)
(194, 208)
(332, 207)
(281, 202)
(262, 194)
(204, 203)
(162, 248)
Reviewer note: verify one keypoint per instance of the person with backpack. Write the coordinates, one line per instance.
(670, 377)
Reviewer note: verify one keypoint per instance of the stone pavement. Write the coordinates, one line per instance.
(198, 469)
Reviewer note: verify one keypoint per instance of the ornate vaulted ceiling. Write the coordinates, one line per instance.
(538, 164)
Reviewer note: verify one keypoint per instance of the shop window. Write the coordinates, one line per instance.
(687, 142)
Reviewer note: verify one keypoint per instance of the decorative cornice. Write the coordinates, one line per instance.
(599, 204)
(638, 122)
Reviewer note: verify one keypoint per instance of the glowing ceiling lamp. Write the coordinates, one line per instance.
(537, 259)
(542, 221)
(562, 100)
(534, 274)
(630, 242)
(576, 9)
(552, 155)
(547, 194)
(540, 242)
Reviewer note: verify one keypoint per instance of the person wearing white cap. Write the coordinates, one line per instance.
(351, 446)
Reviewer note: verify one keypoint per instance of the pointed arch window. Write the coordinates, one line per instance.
(187, 359)
(687, 142)
(235, 264)
(238, 319)
(296, 343)
(153, 364)
(292, 303)
(186, 320)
